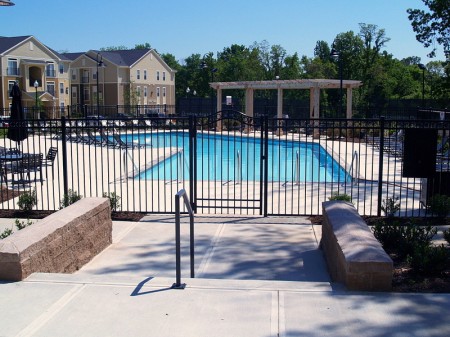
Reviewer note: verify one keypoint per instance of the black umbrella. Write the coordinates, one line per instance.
(17, 130)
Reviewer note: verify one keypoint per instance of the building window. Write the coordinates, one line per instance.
(164, 75)
(145, 92)
(61, 105)
(157, 75)
(61, 88)
(51, 88)
(10, 85)
(138, 74)
(158, 92)
(50, 70)
(145, 74)
(13, 68)
(74, 74)
(86, 93)
(164, 91)
(61, 68)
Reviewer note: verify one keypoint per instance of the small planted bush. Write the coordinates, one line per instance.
(341, 197)
(429, 260)
(403, 239)
(27, 201)
(439, 205)
(114, 201)
(70, 198)
(390, 206)
(447, 235)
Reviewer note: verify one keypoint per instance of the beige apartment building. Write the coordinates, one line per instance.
(137, 77)
(41, 73)
(53, 81)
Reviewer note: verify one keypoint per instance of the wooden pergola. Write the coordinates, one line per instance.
(314, 86)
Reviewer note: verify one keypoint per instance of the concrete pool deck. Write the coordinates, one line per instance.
(255, 277)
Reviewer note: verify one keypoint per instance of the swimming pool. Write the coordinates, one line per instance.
(236, 158)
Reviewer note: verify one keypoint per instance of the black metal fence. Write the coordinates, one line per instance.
(229, 163)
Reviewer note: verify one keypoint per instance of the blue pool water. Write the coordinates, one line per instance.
(289, 161)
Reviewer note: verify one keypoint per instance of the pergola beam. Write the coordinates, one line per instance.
(314, 86)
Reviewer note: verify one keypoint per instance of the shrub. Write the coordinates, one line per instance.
(27, 200)
(70, 198)
(114, 200)
(341, 197)
(447, 235)
(404, 239)
(390, 206)
(334, 133)
(429, 260)
(439, 205)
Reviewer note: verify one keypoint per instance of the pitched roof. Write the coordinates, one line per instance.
(7, 43)
(124, 57)
(72, 56)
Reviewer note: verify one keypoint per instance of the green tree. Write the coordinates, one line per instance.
(432, 26)
(114, 48)
(322, 50)
(145, 45)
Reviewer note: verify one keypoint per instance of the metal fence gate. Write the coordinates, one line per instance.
(229, 167)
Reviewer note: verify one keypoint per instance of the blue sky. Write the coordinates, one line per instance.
(186, 27)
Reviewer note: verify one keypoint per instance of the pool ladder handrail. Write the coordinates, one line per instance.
(182, 194)
(351, 171)
(238, 168)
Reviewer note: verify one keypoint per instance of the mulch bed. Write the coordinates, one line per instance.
(404, 279)
(115, 216)
(7, 194)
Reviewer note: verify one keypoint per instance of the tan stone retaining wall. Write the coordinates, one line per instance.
(61, 243)
(354, 257)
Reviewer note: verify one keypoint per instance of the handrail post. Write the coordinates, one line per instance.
(380, 166)
(182, 193)
(178, 284)
(64, 155)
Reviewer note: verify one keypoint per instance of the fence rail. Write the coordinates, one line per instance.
(228, 162)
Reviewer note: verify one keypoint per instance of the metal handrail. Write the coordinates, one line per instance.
(238, 168)
(182, 193)
(354, 180)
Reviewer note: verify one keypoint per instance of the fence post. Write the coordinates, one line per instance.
(192, 164)
(265, 134)
(64, 154)
(380, 166)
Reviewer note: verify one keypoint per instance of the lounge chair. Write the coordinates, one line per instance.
(124, 145)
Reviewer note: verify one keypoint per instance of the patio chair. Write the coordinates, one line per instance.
(31, 163)
(50, 159)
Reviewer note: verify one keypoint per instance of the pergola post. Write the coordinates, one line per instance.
(280, 111)
(349, 112)
(248, 107)
(315, 103)
(219, 108)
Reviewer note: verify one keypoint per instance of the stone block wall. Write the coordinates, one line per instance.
(61, 243)
(354, 256)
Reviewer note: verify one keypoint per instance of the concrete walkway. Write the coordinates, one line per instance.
(254, 277)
